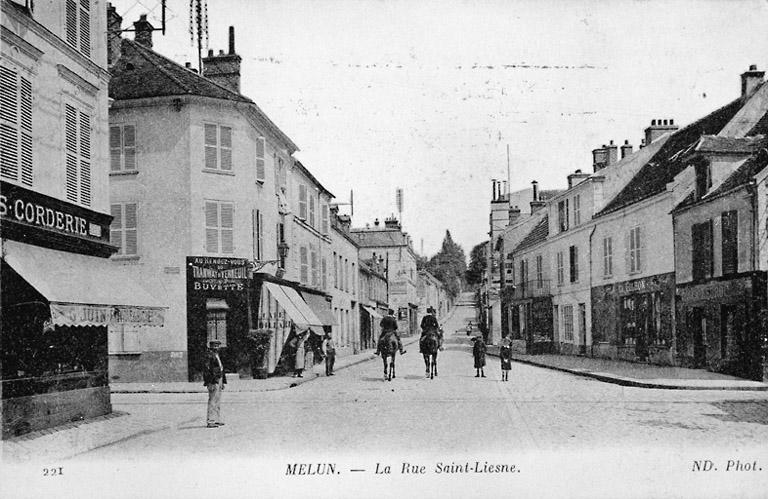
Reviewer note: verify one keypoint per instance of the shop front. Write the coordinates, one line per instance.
(529, 308)
(633, 320)
(370, 318)
(60, 298)
(721, 325)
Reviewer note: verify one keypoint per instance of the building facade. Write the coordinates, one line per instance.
(373, 300)
(62, 300)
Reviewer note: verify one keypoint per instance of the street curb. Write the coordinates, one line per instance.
(369, 357)
(634, 382)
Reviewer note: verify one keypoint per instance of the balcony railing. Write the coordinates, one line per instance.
(529, 289)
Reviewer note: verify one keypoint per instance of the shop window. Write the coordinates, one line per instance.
(218, 147)
(730, 249)
(216, 320)
(568, 322)
(124, 339)
(15, 126)
(727, 328)
(122, 148)
(77, 128)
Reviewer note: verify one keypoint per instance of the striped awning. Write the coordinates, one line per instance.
(296, 308)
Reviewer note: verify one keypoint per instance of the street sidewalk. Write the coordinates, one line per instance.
(636, 374)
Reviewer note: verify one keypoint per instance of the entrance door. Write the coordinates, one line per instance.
(583, 328)
(699, 332)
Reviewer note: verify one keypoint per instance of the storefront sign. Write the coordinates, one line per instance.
(32, 210)
(65, 314)
(398, 288)
(644, 285)
(206, 273)
(717, 290)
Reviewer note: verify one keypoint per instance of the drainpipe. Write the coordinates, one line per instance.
(592, 322)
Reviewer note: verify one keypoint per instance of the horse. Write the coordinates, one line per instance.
(388, 348)
(430, 345)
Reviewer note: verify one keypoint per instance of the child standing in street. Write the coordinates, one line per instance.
(505, 354)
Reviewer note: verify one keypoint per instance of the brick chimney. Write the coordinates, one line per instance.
(626, 149)
(143, 31)
(613, 153)
(391, 223)
(114, 32)
(750, 81)
(514, 214)
(536, 203)
(576, 177)
(223, 68)
(599, 158)
(659, 128)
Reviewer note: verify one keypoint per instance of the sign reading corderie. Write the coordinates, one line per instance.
(31, 211)
(209, 273)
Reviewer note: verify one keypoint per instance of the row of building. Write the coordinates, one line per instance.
(148, 209)
(658, 255)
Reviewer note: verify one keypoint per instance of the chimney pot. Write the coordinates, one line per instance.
(210, 52)
(753, 67)
(535, 185)
(221, 52)
(653, 122)
(751, 80)
(231, 40)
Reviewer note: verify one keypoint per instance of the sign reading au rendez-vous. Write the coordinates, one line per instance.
(210, 273)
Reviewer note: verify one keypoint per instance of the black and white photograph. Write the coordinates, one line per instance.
(384, 248)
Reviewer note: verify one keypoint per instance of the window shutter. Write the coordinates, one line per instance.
(628, 252)
(303, 265)
(85, 163)
(227, 228)
(115, 148)
(260, 151)
(303, 201)
(730, 254)
(640, 249)
(85, 28)
(72, 23)
(9, 140)
(26, 131)
(325, 273)
(312, 210)
(211, 146)
(211, 227)
(315, 276)
(130, 227)
(129, 147)
(71, 152)
(115, 230)
(226, 148)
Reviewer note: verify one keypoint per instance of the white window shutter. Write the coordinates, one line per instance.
(129, 147)
(227, 228)
(225, 147)
(115, 230)
(131, 228)
(26, 130)
(115, 148)
(85, 28)
(72, 31)
(211, 227)
(260, 151)
(9, 139)
(211, 146)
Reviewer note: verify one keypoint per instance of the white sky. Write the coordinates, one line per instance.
(380, 94)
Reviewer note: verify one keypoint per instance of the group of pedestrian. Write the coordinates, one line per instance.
(505, 354)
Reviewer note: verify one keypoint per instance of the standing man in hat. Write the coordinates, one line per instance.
(214, 379)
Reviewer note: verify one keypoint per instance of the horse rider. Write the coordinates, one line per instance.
(428, 324)
(389, 325)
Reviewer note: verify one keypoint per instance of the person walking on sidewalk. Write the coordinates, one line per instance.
(478, 352)
(505, 354)
(300, 361)
(329, 352)
(214, 379)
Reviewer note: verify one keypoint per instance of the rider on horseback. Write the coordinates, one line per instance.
(429, 325)
(389, 325)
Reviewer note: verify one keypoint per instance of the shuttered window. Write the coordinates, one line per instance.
(218, 147)
(635, 248)
(303, 265)
(324, 210)
(15, 126)
(312, 220)
(122, 148)
(78, 25)
(607, 256)
(568, 322)
(560, 269)
(325, 273)
(730, 253)
(123, 232)
(335, 271)
(260, 164)
(314, 264)
(577, 209)
(258, 234)
(219, 227)
(539, 271)
(573, 252)
(302, 201)
(77, 132)
(701, 250)
(562, 215)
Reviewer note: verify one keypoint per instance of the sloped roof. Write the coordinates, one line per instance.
(728, 145)
(141, 72)
(378, 238)
(537, 235)
(669, 161)
(743, 173)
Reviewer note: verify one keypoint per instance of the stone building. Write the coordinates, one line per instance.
(373, 300)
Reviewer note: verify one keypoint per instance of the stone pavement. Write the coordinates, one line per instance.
(636, 374)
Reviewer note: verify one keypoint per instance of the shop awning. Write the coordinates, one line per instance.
(319, 306)
(296, 308)
(84, 290)
(373, 312)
